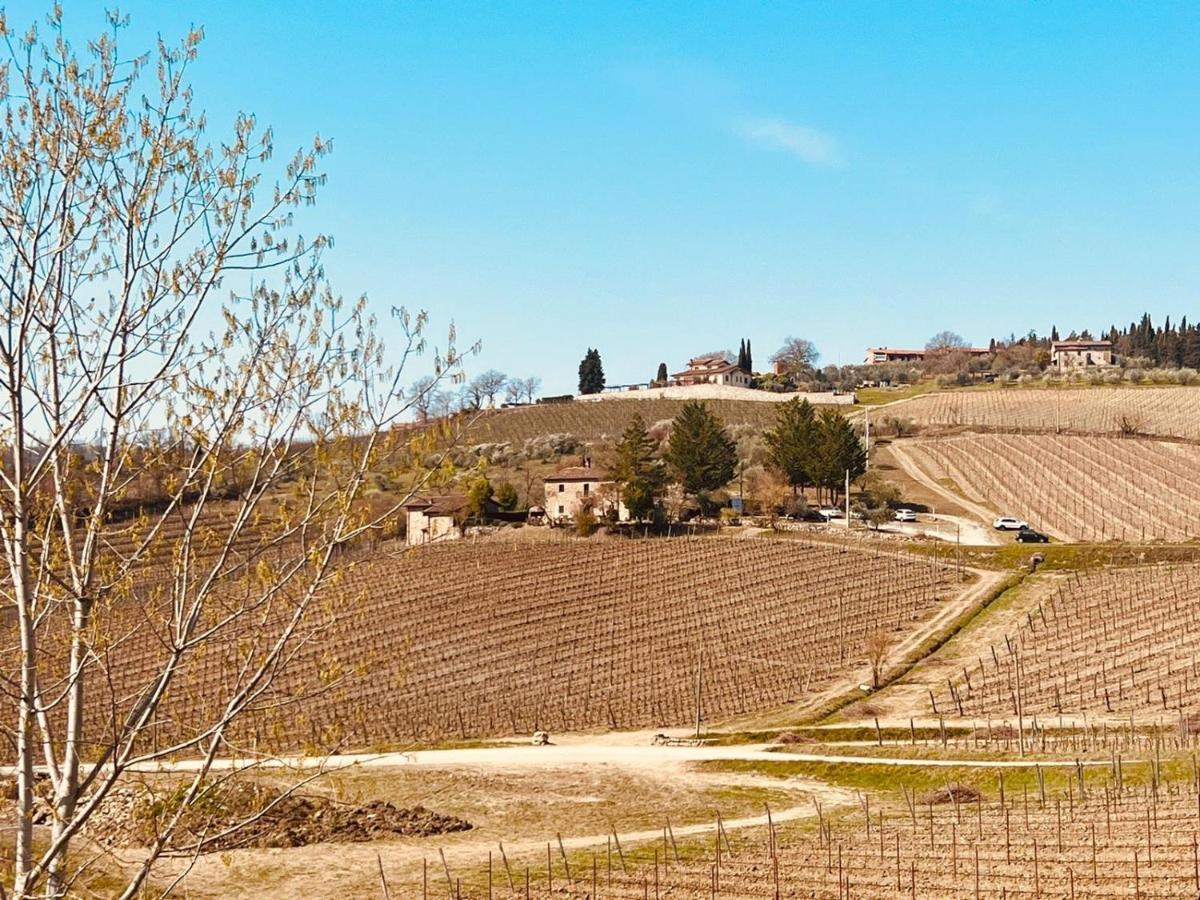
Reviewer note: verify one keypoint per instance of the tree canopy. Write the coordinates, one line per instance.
(946, 340)
(814, 449)
(701, 454)
(636, 471)
(796, 355)
(591, 373)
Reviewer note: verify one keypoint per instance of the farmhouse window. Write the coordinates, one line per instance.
(585, 488)
(560, 509)
(561, 488)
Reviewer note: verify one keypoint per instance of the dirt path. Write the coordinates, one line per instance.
(951, 529)
(905, 461)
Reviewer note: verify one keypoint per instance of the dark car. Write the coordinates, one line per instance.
(1029, 536)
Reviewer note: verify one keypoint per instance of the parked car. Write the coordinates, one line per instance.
(831, 512)
(904, 514)
(1029, 536)
(1009, 523)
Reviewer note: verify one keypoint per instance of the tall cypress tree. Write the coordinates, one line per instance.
(741, 360)
(749, 367)
(591, 373)
(662, 377)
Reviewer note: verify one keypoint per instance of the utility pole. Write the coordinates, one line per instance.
(958, 552)
(847, 499)
(867, 415)
(699, 685)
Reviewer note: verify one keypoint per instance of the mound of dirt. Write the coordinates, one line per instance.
(953, 793)
(790, 737)
(230, 816)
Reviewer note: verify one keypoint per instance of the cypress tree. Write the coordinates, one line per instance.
(749, 367)
(591, 373)
(661, 377)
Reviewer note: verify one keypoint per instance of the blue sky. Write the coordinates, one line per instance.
(659, 180)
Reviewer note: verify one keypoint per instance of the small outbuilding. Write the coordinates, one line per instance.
(432, 519)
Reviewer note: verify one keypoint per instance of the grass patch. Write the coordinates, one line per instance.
(1068, 557)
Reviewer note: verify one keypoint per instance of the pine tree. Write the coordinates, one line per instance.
(636, 471)
(792, 443)
(839, 450)
(701, 455)
(591, 373)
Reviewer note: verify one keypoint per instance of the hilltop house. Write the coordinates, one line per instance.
(713, 369)
(877, 356)
(1065, 355)
(567, 490)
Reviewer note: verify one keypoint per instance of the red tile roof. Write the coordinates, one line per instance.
(578, 473)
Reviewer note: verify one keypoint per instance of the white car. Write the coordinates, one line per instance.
(904, 514)
(1009, 523)
(831, 512)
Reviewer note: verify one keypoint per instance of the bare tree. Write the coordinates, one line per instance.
(422, 395)
(530, 387)
(946, 341)
(878, 645)
(796, 355)
(513, 391)
(161, 313)
(488, 384)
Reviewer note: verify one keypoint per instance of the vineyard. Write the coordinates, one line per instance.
(1162, 412)
(597, 421)
(1078, 488)
(1086, 838)
(469, 640)
(1109, 643)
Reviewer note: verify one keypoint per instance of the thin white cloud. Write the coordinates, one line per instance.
(811, 145)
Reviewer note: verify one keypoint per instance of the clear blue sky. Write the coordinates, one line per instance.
(661, 180)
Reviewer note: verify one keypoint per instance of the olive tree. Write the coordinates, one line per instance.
(187, 415)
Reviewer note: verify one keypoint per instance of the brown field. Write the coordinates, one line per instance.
(1111, 840)
(1078, 488)
(1115, 643)
(479, 639)
(1163, 412)
(603, 420)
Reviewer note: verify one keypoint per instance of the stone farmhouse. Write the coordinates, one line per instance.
(712, 369)
(569, 489)
(1068, 355)
(434, 519)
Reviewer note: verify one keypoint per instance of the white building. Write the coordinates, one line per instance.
(713, 369)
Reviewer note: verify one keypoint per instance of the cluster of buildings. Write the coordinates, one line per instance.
(1065, 356)
(567, 492)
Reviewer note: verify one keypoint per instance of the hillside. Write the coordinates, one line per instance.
(1157, 411)
(588, 421)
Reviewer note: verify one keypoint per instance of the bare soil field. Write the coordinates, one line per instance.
(475, 639)
(1076, 488)
(1121, 644)
(1158, 411)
